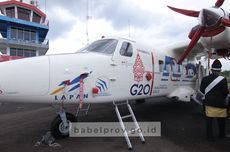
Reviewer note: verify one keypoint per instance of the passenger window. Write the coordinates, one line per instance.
(161, 66)
(126, 49)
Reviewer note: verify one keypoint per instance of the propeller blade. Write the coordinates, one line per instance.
(192, 43)
(219, 3)
(193, 31)
(214, 32)
(225, 22)
(185, 12)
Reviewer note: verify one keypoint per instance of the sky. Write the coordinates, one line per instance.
(147, 20)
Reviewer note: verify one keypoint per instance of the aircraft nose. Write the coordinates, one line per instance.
(24, 77)
(209, 17)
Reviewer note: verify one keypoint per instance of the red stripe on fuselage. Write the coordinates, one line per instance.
(152, 74)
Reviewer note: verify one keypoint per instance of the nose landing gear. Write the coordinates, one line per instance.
(60, 125)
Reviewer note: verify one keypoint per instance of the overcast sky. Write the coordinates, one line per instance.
(146, 20)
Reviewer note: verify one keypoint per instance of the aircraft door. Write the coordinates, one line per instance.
(131, 66)
(122, 62)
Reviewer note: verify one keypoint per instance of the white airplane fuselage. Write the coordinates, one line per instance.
(97, 77)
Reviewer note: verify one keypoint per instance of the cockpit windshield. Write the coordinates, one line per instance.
(106, 46)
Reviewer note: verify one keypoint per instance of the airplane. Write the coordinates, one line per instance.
(107, 70)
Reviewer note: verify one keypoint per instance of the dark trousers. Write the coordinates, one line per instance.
(209, 126)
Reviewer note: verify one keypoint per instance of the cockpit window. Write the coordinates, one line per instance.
(126, 49)
(106, 46)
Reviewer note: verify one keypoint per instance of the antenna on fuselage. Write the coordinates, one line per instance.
(129, 28)
(87, 21)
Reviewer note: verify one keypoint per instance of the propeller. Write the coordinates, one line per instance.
(193, 42)
(211, 23)
(185, 12)
(225, 22)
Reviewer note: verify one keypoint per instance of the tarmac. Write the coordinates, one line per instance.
(182, 128)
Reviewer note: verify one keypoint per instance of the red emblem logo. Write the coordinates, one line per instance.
(138, 69)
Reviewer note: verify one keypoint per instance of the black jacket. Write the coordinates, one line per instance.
(215, 97)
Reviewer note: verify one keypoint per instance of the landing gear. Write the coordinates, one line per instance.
(60, 128)
(60, 125)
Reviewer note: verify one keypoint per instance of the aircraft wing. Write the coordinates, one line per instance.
(198, 51)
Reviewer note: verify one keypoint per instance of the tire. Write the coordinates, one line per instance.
(140, 101)
(57, 129)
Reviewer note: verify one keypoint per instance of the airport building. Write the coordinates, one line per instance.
(23, 30)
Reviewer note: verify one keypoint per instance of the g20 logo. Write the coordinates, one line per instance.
(139, 89)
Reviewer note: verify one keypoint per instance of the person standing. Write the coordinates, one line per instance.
(215, 90)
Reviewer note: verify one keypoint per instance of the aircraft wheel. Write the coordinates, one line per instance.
(140, 101)
(57, 127)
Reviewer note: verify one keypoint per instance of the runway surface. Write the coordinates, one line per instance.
(182, 126)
